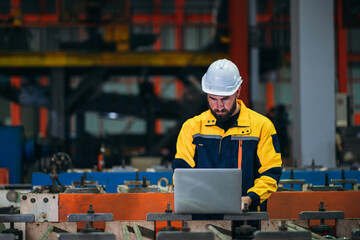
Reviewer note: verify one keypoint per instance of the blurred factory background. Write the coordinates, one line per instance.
(93, 94)
(107, 82)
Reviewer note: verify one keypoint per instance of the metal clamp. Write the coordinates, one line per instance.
(17, 218)
(247, 216)
(168, 217)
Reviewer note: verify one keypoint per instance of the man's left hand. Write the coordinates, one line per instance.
(245, 200)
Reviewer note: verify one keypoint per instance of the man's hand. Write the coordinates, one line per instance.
(245, 200)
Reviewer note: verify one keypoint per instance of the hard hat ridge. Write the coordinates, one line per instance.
(222, 78)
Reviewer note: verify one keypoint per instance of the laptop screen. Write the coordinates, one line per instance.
(207, 190)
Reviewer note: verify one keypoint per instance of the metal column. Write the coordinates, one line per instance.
(313, 76)
(238, 29)
(58, 103)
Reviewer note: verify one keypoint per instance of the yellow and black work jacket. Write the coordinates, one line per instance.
(251, 144)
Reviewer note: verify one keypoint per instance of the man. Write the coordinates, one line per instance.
(229, 135)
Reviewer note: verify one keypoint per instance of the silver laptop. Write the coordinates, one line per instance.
(207, 190)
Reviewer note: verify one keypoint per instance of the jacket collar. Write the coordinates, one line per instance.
(243, 120)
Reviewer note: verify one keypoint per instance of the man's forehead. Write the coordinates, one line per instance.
(219, 97)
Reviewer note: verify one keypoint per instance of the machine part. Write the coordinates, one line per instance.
(12, 218)
(82, 190)
(322, 229)
(17, 218)
(292, 181)
(90, 216)
(126, 229)
(307, 215)
(36, 231)
(168, 216)
(7, 236)
(167, 188)
(326, 186)
(85, 186)
(55, 178)
(43, 206)
(144, 190)
(168, 227)
(344, 181)
(137, 181)
(62, 162)
(218, 233)
(275, 235)
(86, 236)
(244, 231)
(141, 186)
(355, 235)
(12, 196)
(15, 232)
(86, 217)
(185, 235)
(344, 227)
(321, 214)
(247, 216)
(163, 179)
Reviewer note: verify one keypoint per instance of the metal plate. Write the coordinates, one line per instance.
(17, 218)
(247, 216)
(82, 190)
(185, 236)
(321, 215)
(168, 217)
(275, 235)
(86, 236)
(44, 206)
(86, 217)
(7, 237)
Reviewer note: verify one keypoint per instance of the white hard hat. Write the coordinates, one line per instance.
(222, 78)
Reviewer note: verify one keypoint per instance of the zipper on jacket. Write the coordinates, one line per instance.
(240, 154)
(220, 146)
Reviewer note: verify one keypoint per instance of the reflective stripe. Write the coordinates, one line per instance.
(240, 154)
(207, 136)
(244, 138)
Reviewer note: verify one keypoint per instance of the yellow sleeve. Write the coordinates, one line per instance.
(270, 159)
(185, 149)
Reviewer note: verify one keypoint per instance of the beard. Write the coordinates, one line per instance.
(225, 114)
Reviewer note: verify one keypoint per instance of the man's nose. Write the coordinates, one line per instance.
(219, 105)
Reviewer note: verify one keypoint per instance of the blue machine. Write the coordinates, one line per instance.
(109, 179)
(112, 179)
(11, 146)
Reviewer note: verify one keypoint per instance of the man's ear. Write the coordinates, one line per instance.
(238, 92)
